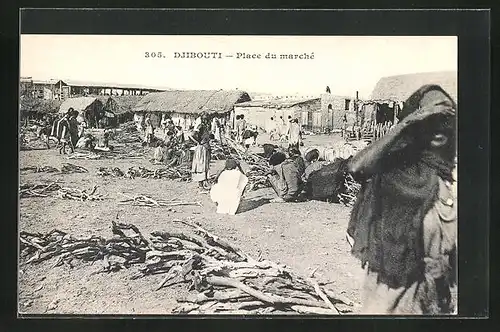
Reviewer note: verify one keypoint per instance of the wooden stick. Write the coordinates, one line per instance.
(323, 296)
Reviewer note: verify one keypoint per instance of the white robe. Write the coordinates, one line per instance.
(228, 190)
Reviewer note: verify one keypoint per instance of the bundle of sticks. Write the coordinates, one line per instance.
(352, 188)
(79, 195)
(85, 156)
(118, 252)
(181, 172)
(222, 278)
(37, 190)
(258, 166)
(143, 200)
(71, 168)
(108, 171)
(40, 169)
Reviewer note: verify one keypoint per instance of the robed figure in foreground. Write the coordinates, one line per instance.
(404, 222)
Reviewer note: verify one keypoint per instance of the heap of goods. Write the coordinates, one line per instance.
(222, 278)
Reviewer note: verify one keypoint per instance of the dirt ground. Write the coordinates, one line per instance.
(303, 236)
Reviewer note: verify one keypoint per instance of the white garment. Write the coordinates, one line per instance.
(228, 190)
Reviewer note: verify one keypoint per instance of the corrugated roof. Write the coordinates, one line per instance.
(78, 104)
(112, 85)
(400, 87)
(277, 103)
(47, 82)
(192, 101)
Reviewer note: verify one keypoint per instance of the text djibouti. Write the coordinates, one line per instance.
(238, 55)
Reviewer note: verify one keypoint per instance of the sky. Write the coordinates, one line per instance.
(344, 63)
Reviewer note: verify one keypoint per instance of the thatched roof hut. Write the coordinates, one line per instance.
(400, 87)
(80, 104)
(89, 109)
(191, 101)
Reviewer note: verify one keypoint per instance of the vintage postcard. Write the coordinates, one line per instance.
(255, 175)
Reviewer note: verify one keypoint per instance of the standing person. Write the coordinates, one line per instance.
(163, 124)
(403, 224)
(294, 134)
(149, 129)
(272, 129)
(202, 154)
(242, 125)
(344, 126)
(63, 133)
(288, 125)
(73, 128)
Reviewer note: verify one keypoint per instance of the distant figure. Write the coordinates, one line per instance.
(63, 133)
(229, 187)
(328, 89)
(202, 154)
(242, 124)
(344, 126)
(272, 129)
(294, 134)
(149, 129)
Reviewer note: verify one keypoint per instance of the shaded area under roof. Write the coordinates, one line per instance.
(277, 103)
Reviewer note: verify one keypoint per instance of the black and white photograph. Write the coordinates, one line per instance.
(238, 175)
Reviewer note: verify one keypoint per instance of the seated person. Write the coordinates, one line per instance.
(313, 164)
(229, 187)
(103, 142)
(296, 156)
(87, 141)
(159, 153)
(284, 178)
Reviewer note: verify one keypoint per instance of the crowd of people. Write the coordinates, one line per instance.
(404, 222)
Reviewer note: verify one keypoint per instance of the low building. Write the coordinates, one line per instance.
(260, 112)
(185, 106)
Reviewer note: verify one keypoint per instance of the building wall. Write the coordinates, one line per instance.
(261, 116)
(332, 118)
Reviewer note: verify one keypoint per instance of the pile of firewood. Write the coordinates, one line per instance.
(258, 166)
(85, 156)
(71, 168)
(182, 173)
(352, 188)
(79, 195)
(221, 277)
(119, 252)
(142, 200)
(37, 190)
(40, 169)
(108, 171)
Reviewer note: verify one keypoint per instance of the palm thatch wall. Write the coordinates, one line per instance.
(191, 101)
(399, 88)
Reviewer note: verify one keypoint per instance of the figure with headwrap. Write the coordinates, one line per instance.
(294, 134)
(404, 222)
(202, 152)
(229, 187)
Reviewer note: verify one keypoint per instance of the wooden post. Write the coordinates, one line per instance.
(356, 108)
